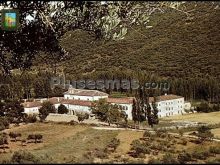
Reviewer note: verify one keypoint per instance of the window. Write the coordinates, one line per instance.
(88, 99)
(78, 98)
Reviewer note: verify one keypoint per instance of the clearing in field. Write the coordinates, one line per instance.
(209, 118)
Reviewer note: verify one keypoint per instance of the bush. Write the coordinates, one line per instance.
(62, 109)
(184, 142)
(180, 132)
(184, 157)
(72, 122)
(161, 133)
(139, 148)
(82, 116)
(30, 119)
(14, 135)
(204, 107)
(100, 153)
(169, 159)
(4, 123)
(114, 143)
(35, 137)
(147, 134)
(154, 161)
(3, 140)
(201, 154)
(23, 157)
(214, 150)
(204, 133)
(215, 161)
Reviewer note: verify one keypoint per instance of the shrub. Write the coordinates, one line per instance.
(100, 153)
(3, 140)
(184, 142)
(23, 157)
(169, 159)
(184, 157)
(204, 133)
(30, 119)
(161, 133)
(215, 161)
(214, 150)
(181, 132)
(62, 109)
(204, 107)
(14, 135)
(139, 148)
(4, 123)
(198, 154)
(35, 137)
(154, 161)
(147, 134)
(114, 143)
(82, 116)
(72, 122)
(87, 157)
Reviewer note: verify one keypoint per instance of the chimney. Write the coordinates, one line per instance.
(58, 99)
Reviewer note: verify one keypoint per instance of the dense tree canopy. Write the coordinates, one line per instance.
(50, 20)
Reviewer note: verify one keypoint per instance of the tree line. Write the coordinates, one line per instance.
(31, 85)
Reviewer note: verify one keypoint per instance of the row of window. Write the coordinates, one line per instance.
(78, 98)
(168, 103)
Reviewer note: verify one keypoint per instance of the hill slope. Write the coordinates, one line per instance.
(175, 46)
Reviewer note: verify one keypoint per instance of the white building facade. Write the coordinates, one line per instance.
(80, 101)
(170, 105)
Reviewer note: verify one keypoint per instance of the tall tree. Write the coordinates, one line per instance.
(46, 108)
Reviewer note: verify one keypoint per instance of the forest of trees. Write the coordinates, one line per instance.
(29, 85)
(167, 41)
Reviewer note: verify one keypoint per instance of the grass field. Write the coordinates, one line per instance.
(70, 143)
(61, 143)
(216, 132)
(209, 118)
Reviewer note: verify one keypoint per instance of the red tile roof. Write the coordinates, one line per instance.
(127, 100)
(55, 100)
(85, 92)
(77, 102)
(167, 97)
(31, 104)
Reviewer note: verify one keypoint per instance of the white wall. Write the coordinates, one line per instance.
(171, 107)
(32, 110)
(78, 108)
(88, 98)
(127, 108)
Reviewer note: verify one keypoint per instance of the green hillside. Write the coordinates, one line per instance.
(176, 45)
